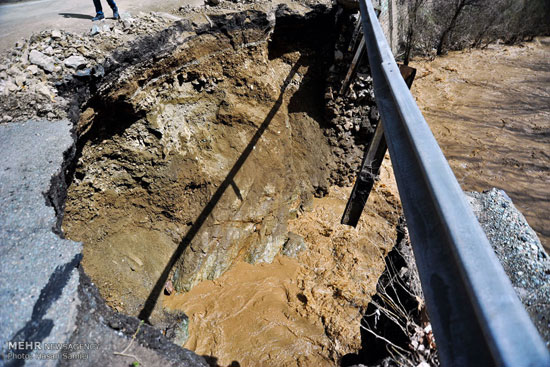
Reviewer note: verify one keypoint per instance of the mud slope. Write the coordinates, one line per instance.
(206, 163)
(204, 128)
(302, 311)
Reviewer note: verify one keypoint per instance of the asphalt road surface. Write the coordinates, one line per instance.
(38, 277)
(46, 302)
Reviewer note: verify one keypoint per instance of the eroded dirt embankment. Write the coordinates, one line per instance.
(207, 153)
(207, 128)
(490, 112)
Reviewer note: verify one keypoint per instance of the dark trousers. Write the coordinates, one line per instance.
(99, 9)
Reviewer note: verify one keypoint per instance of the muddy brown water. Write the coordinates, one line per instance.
(490, 112)
(304, 311)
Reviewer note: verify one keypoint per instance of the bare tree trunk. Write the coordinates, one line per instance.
(482, 35)
(443, 39)
(408, 45)
(413, 13)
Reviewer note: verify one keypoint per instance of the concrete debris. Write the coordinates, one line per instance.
(14, 70)
(167, 16)
(20, 80)
(75, 62)
(42, 89)
(10, 86)
(56, 34)
(45, 62)
(49, 51)
(34, 68)
(95, 30)
(125, 16)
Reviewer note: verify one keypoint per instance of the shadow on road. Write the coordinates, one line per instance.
(76, 16)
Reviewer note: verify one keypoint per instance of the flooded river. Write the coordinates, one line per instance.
(490, 112)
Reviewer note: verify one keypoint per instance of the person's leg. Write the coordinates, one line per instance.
(114, 7)
(98, 8)
(98, 11)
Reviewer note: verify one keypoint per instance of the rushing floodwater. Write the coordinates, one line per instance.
(490, 112)
(304, 311)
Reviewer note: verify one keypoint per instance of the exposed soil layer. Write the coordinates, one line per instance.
(302, 311)
(198, 152)
(206, 159)
(200, 142)
(490, 112)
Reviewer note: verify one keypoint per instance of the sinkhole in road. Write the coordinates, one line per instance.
(209, 182)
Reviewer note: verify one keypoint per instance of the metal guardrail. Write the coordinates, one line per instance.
(477, 318)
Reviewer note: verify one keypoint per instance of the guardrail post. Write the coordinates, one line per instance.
(370, 166)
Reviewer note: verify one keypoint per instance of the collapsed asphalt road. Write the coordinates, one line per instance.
(30, 304)
(51, 313)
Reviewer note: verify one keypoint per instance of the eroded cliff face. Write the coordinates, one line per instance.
(208, 156)
(218, 143)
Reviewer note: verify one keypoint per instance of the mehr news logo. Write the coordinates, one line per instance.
(48, 351)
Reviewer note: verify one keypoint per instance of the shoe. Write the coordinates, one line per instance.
(98, 17)
(116, 16)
